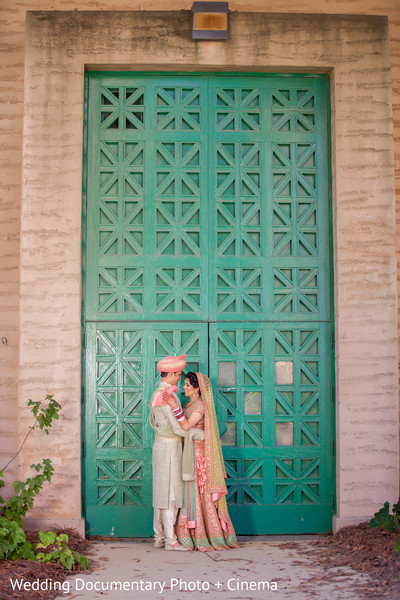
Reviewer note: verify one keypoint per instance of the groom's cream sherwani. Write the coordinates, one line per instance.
(167, 454)
(167, 467)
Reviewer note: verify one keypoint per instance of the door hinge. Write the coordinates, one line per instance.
(83, 340)
(333, 448)
(83, 504)
(83, 449)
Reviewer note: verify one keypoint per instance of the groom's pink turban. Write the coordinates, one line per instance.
(172, 364)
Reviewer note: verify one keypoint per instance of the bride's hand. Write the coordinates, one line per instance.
(171, 400)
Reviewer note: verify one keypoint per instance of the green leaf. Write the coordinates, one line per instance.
(383, 519)
(27, 551)
(13, 542)
(18, 486)
(19, 536)
(67, 561)
(41, 557)
(62, 553)
(47, 538)
(63, 538)
(81, 560)
(396, 509)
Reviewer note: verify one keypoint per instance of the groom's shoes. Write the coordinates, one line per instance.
(159, 544)
(177, 547)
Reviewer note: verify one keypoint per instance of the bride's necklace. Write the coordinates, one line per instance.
(194, 399)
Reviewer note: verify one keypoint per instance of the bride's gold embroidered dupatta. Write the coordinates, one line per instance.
(204, 521)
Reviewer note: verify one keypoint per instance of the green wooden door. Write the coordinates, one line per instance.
(208, 232)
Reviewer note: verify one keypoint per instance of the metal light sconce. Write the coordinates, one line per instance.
(210, 21)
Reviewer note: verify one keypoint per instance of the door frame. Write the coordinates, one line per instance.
(261, 74)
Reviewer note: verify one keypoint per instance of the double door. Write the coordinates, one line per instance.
(207, 232)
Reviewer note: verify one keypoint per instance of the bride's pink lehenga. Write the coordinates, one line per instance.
(204, 523)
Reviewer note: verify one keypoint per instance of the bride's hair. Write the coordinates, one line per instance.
(192, 379)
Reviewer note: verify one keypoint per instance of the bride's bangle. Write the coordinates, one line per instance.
(178, 413)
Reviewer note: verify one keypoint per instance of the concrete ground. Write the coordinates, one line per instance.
(264, 567)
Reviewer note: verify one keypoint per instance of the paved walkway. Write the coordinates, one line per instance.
(264, 567)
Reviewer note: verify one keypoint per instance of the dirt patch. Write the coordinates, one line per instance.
(31, 571)
(367, 551)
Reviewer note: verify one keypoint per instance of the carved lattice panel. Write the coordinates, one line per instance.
(235, 159)
(178, 204)
(178, 290)
(147, 195)
(238, 218)
(297, 481)
(239, 291)
(121, 107)
(271, 199)
(120, 482)
(120, 290)
(273, 402)
(245, 479)
(121, 169)
(178, 168)
(297, 400)
(229, 176)
(294, 110)
(121, 374)
(119, 385)
(120, 228)
(238, 109)
(240, 379)
(178, 108)
(295, 290)
(238, 199)
(295, 199)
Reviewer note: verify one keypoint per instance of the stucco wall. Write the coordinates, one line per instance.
(356, 49)
(50, 342)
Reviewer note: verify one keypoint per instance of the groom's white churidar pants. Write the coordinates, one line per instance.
(164, 521)
(164, 524)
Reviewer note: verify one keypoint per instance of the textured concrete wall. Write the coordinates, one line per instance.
(58, 48)
(370, 224)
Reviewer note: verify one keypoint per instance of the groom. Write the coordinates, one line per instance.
(167, 456)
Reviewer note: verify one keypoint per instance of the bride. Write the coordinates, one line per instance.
(203, 523)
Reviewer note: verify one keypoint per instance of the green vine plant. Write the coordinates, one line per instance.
(390, 521)
(13, 542)
(58, 551)
(17, 506)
